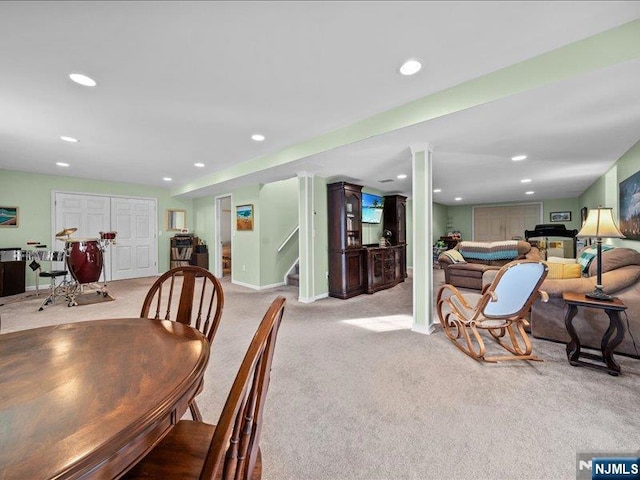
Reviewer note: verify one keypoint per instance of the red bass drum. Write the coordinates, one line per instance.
(84, 258)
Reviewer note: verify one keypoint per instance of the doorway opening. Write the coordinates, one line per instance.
(223, 236)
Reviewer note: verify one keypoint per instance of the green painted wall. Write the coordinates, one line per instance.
(245, 251)
(204, 223)
(460, 218)
(31, 193)
(279, 216)
(439, 221)
(629, 163)
(594, 196)
(572, 205)
(605, 190)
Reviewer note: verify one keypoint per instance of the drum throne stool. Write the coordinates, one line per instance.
(65, 288)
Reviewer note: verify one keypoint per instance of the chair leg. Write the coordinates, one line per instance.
(458, 333)
(520, 348)
(195, 411)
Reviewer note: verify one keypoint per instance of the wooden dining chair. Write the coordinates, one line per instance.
(230, 449)
(190, 295)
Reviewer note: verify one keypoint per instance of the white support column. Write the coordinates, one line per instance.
(306, 290)
(422, 162)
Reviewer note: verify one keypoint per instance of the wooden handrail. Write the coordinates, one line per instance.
(289, 237)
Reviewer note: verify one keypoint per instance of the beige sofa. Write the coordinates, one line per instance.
(620, 277)
(480, 257)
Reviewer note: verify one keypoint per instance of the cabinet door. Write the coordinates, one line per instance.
(352, 217)
(354, 271)
(402, 221)
(376, 268)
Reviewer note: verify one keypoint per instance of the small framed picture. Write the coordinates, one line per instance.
(244, 217)
(8, 216)
(560, 216)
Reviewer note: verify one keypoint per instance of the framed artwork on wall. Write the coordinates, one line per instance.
(584, 211)
(630, 207)
(8, 216)
(560, 216)
(244, 217)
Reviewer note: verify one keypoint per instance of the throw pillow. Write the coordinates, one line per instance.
(559, 271)
(455, 256)
(561, 260)
(588, 254)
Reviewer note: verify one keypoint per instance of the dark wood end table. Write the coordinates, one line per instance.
(609, 341)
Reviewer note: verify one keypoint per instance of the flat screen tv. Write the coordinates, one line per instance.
(372, 208)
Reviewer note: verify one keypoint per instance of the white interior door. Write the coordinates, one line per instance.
(136, 248)
(90, 214)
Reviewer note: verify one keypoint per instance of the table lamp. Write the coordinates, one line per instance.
(599, 225)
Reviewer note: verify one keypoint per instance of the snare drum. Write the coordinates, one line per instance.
(84, 258)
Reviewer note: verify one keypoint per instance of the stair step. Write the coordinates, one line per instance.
(293, 279)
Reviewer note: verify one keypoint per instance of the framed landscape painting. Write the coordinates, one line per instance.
(630, 207)
(244, 217)
(8, 216)
(560, 216)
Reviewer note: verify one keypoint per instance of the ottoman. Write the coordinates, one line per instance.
(467, 275)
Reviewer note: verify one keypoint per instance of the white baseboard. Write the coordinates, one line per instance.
(313, 299)
(424, 329)
(257, 287)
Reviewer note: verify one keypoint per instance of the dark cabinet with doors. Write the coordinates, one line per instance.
(395, 220)
(12, 277)
(346, 254)
(384, 267)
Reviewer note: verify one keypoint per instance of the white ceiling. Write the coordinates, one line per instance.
(185, 82)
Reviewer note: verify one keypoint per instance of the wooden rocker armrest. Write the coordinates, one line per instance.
(544, 296)
(454, 292)
(447, 289)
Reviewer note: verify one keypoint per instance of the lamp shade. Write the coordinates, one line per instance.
(600, 224)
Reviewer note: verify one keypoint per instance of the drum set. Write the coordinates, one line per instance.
(84, 258)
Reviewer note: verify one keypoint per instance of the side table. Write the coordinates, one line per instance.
(612, 308)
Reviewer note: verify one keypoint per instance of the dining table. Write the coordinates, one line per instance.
(89, 399)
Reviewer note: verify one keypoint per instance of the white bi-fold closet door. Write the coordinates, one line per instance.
(135, 253)
(505, 222)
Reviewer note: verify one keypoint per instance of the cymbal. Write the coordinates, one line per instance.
(66, 231)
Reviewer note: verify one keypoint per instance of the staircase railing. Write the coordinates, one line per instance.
(295, 230)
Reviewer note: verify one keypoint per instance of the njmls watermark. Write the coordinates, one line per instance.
(608, 466)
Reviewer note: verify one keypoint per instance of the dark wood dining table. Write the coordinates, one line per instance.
(89, 399)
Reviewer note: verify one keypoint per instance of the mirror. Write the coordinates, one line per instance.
(176, 219)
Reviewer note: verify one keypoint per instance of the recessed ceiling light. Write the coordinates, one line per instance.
(83, 80)
(437, 190)
(530, 192)
(199, 165)
(167, 179)
(402, 175)
(410, 67)
(457, 199)
(517, 158)
(525, 180)
(69, 139)
(62, 164)
(257, 137)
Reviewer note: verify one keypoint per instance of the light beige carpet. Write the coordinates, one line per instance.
(355, 394)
